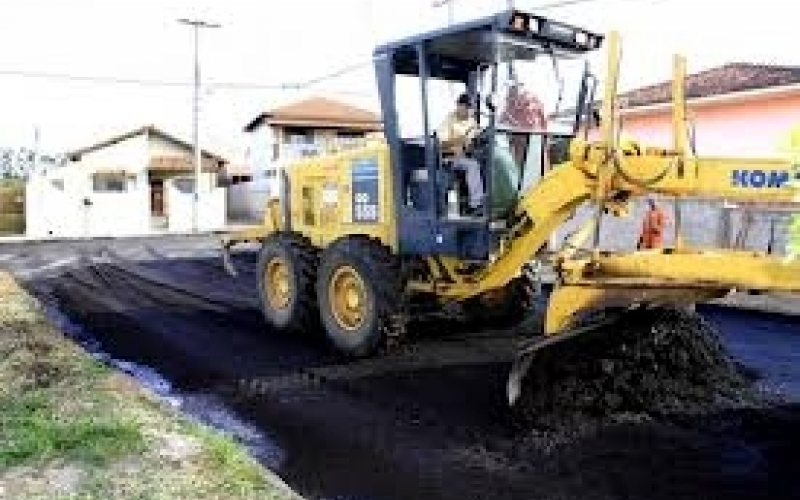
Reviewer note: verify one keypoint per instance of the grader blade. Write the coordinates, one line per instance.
(528, 351)
(576, 311)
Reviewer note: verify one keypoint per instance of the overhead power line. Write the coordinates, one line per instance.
(135, 81)
(354, 67)
(93, 79)
(214, 86)
(281, 86)
(561, 3)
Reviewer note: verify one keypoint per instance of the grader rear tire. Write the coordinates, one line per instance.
(359, 292)
(287, 267)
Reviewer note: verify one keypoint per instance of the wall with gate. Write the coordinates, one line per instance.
(179, 193)
(63, 203)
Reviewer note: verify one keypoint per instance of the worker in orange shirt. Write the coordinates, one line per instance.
(653, 227)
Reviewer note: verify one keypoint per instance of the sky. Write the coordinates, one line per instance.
(267, 43)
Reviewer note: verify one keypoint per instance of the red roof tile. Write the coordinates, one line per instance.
(733, 77)
(319, 112)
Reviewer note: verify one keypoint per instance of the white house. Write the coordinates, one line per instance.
(301, 129)
(136, 183)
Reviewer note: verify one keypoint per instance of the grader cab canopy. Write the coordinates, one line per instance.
(484, 58)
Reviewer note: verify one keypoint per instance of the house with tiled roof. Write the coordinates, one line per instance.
(320, 113)
(134, 183)
(297, 130)
(739, 109)
(306, 128)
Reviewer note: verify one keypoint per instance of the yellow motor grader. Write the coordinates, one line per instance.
(356, 238)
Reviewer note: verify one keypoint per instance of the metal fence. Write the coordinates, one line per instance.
(704, 223)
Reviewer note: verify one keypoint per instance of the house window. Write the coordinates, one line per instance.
(299, 136)
(349, 138)
(236, 179)
(349, 134)
(110, 183)
(184, 184)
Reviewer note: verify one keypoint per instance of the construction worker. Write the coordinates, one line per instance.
(455, 134)
(652, 227)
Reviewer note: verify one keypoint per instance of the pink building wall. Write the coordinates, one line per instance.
(752, 128)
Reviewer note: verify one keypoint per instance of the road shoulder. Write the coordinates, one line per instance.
(70, 427)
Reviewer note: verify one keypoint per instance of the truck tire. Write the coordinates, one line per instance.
(360, 295)
(287, 266)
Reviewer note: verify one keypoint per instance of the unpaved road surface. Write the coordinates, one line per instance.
(426, 422)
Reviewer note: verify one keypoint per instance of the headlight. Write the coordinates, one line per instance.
(582, 38)
(560, 31)
(519, 22)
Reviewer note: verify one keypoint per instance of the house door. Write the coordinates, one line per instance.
(157, 198)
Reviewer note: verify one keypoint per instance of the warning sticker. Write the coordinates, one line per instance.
(330, 194)
(365, 180)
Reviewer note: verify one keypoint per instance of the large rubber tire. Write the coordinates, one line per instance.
(291, 307)
(360, 295)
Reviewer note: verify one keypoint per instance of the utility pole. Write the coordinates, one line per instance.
(196, 24)
(35, 167)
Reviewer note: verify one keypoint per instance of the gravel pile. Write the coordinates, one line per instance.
(651, 362)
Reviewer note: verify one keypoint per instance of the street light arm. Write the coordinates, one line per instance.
(198, 23)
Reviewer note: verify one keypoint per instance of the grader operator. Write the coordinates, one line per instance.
(359, 239)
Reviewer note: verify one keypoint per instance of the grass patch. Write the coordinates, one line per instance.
(31, 430)
(242, 475)
(72, 428)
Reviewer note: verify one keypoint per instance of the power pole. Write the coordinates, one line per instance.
(196, 24)
(35, 167)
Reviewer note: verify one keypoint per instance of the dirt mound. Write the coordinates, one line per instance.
(650, 362)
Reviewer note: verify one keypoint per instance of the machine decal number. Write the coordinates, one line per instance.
(365, 179)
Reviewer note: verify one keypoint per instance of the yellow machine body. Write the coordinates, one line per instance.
(322, 204)
(323, 208)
